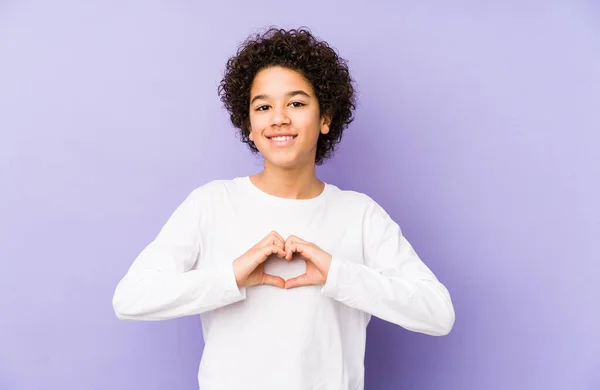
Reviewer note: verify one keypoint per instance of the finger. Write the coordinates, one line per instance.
(273, 238)
(266, 240)
(290, 250)
(273, 280)
(298, 281)
(278, 236)
(270, 239)
(297, 247)
(291, 239)
(272, 250)
(289, 243)
(263, 253)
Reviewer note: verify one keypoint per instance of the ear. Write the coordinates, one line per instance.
(325, 122)
(249, 130)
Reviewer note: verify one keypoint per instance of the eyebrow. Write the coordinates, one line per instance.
(289, 94)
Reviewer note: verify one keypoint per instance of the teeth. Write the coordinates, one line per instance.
(283, 138)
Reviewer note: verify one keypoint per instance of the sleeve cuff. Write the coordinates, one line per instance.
(231, 291)
(331, 284)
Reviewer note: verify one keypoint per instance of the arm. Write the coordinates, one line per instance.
(161, 284)
(393, 284)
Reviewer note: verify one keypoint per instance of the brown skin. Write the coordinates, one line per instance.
(249, 268)
(289, 172)
(300, 50)
(282, 101)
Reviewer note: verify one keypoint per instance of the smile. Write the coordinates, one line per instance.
(282, 140)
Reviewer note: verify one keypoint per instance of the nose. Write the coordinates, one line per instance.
(279, 117)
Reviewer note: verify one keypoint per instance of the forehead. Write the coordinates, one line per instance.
(278, 81)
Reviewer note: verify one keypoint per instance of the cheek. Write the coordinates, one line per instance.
(312, 128)
(258, 122)
(254, 127)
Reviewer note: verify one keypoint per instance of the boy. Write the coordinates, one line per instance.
(284, 269)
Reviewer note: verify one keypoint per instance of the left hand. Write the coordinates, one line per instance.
(317, 262)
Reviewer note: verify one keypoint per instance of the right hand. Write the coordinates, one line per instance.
(249, 267)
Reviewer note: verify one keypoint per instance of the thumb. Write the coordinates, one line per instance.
(272, 280)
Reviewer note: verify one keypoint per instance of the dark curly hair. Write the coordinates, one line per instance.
(299, 50)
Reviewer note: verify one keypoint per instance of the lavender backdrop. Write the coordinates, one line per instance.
(478, 130)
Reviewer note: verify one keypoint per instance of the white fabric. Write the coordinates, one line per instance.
(264, 337)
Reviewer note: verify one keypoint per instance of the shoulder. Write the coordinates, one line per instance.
(356, 200)
(375, 220)
(352, 197)
(208, 196)
(216, 188)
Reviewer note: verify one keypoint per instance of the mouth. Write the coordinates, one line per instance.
(282, 140)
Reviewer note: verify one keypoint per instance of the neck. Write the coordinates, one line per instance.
(292, 183)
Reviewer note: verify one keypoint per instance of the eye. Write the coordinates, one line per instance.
(262, 108)
(297, 104)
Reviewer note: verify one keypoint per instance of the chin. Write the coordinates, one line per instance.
(283, 161)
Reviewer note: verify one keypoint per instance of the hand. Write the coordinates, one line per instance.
(249, 267)
(317, 262)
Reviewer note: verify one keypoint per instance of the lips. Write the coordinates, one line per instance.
(282, 139)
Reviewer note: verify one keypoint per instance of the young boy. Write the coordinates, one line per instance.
(284, 269)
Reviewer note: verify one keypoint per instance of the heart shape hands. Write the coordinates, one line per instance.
(249, 267)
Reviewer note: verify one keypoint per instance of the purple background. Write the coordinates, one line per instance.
(478, 130)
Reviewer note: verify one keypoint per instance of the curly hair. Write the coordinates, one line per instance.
(298, 50)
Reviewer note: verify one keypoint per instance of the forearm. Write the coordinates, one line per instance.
(417, 303)
(151, 294)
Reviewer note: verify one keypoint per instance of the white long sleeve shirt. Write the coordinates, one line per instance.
(265, 337)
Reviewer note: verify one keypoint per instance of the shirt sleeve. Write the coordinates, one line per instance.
(162, 284)
(393, 283)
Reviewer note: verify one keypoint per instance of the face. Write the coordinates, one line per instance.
(285, 120)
